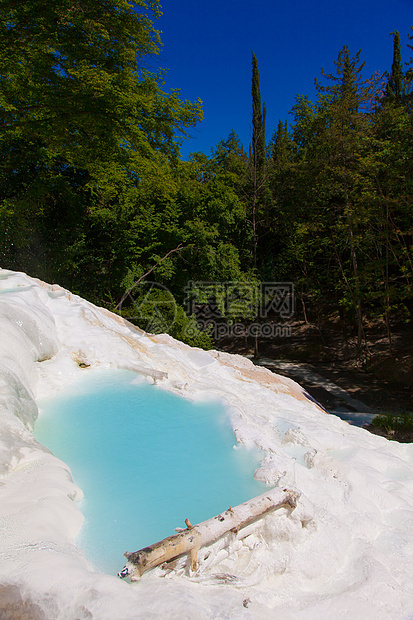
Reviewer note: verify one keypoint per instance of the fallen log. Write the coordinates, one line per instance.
(206, 533)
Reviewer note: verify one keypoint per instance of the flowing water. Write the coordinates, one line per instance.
(145, 458)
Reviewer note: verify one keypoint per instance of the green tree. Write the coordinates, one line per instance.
(281, 146)
(389, 165)
(94, 125)
(257, 158)
(212, 215)
(304, 125)
(395, 85)
(73, 76)
(258, 119)
(344, 124)
(348, 194)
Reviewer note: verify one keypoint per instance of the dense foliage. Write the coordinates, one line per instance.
(93, 193)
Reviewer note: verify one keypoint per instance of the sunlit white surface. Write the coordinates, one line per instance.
(346, 551)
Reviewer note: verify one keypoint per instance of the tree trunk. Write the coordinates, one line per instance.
(205, 533)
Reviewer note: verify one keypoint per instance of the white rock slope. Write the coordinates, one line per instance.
(346, 551)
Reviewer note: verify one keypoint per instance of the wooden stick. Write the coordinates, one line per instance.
(205, 533)
(178, 248)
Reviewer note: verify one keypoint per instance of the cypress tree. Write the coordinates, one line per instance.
(258, 118)
(394, 87)
(258, 152)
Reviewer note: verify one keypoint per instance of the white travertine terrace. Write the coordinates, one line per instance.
(345, 551)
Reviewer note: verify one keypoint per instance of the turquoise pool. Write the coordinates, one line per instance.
(145, 458)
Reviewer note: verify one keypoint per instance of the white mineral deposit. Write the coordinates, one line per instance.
(344, 551)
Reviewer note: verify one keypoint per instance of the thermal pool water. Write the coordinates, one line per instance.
(145, 458)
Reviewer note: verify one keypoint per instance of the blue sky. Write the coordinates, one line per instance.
(208, 43)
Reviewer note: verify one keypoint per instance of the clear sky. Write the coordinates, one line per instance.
(208, 43)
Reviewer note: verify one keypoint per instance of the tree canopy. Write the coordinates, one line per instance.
(93, 192)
